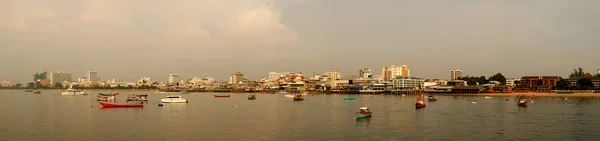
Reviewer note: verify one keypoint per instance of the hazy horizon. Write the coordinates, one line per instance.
(131, 39)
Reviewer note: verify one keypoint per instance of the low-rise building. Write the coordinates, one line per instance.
(6, 84)
(538, 81)
(407, 83)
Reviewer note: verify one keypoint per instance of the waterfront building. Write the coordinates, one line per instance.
(5, 84)
(144, 81)
(44, 82)
(92, 76)
(334, 75)
(173, 78)
(40, 76)
(538, 81)
(407, 83)
(274, 76)
(595, 81)
(455, 74)
(511, 81)
(365, 73)
(82, 80)
(236, 78)
(60, 78)
(393, 71)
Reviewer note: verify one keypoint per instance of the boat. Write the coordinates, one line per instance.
(173, 99)
(403, 94)
(298, 98)
(349, 98)
(139, 97)
(420, 103)
(522, 103)
(474, 102)
(251, 97)
(72, 92)
(363, 112)
(109, 94)
(488, 97)
(28, 90)
(221, 96)
(368, 96)
(289, 96)
(432, 99)
(37, 92)
(105, 98)
(107, 105)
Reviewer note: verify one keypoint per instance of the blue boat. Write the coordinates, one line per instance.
(364, 112)
(252, 97)
(349, 98)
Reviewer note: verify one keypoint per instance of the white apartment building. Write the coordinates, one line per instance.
(455, 74)
(334, 75)
(365, 73)
(92, 76)
(173, 78)
(408, 83)
(59, 77)
(274, 76)
(236, 78)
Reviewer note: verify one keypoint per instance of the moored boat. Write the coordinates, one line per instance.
(108, 94)
(522, 103)
(73, 92)
(420, 103)
(289, 96)
(221, 96)
(37, 92)
(298, 98)
(28, 90)
(368, 96)
(432, 99)
(105, 98)
(107, 105)
(251, 97)
(488, 97)
(363, 112)
(349, 98)
(173, 99)
(139, 97)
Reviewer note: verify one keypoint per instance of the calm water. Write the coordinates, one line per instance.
(50, 116)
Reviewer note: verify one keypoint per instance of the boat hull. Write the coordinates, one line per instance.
(417, 105)
(298, 99)
(520, 104)
(108, 105)
(349, 98)
(105, 98)
(72, 93)
(221, 96)
(173, 100)
(363, 115)
(136, 99)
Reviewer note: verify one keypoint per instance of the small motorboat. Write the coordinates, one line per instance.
(368, 96)
(474, 102)
(73, 92)
(221, 96)
(488, 97)
(108, 94)
(363, 112)
(403, 94)
(107, 105)
(298, 98)
(289, 96)
(522, 103)
(37, 92)
(432, 99)
(420, 103)
(251, 97)
(28, 90)
(173, 99)
(139, 97)
(105, 98)
(349, 98)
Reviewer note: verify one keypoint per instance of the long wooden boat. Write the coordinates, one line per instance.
(107, 105)
(222, 96)
(109, 94)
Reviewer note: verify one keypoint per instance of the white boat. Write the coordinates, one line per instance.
(368, 96)
(173, 99)
(72, 92)
(289, 96)
(474, 102)
(488, 97)
(403, 94)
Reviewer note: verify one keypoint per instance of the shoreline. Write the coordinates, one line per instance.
(527, 94)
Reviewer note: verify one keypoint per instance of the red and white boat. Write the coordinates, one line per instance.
(107, 105)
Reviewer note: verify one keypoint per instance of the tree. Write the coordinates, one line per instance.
(577, 73)
(498, 77)
(58, 85)
(562, 84)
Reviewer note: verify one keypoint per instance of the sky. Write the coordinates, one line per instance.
(130, 39)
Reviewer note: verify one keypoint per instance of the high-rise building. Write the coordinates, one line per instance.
(455, 74)
(40, 76)
(335, 74)
(59, 77)
(173, 78)
(236, 78)
(365, 73)
(92, 76)
(393, 71)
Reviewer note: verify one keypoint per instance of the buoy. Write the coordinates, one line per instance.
(91, 105)
(160, 104)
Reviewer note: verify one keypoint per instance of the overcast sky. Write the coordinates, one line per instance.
(130, 39)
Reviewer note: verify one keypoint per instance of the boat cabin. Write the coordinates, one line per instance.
(173, 97)
(364, 109)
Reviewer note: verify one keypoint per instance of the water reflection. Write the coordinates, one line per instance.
(364, 122)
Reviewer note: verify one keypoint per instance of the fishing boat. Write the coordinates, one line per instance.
(105, 98)
(522, 103)
(28, 90)
(37, 92)
(298, 98)
(108, 94)
(349, 98)
(173, 99)
(107, 105)
(363, 112)
(251, 97)
(432, 99)
(221, 96)
(139, 97)
(420, 103)
(73, 92)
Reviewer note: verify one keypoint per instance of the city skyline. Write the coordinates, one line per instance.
(120, 39)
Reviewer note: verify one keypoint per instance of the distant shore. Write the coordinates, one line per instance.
(528, 94)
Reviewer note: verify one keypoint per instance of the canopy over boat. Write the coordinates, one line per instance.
(103, 94)
(364, 108)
